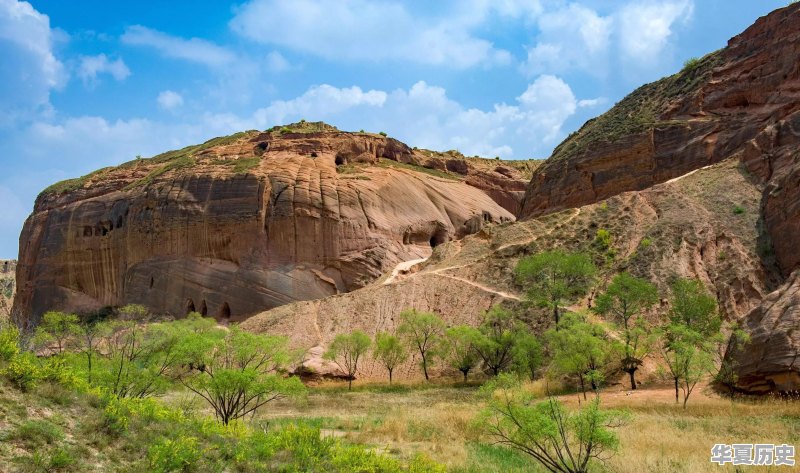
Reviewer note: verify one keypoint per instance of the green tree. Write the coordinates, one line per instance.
(237, 372)
(528, 355)
(57, 331)
(580, 348)
(133, 312)
(459, 349)
(90, 334)
(346, 350)
(626, 300)
(561, 440)
(389, 351)
(423, 331)
(498, 336)
(691, 336)
(555, 277)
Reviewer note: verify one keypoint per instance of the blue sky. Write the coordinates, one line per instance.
(86, 84)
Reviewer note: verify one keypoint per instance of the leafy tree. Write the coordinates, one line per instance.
(423, 331)
(389, 351)
(691, 336)
(90, 334)
(580, 348)
(499, 333)
(346, 350)
(459, 348)
(9, 341)
(528, 355)
(57, 331)
(133, 312)
(554, 277)
(237, 372)
(560, 440)
(625, 300)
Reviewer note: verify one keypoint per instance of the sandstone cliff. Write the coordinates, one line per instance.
(741, 102)
(252, 221)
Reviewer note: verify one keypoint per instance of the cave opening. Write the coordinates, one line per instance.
(340, 160)
(190, 306)
(225, 311)
(203, 308)
(152, 282)
(438, 238)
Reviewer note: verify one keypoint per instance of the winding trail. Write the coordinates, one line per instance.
(481, 286)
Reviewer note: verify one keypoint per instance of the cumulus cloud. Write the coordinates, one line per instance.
(571, 37)
(425, 116)
(91, 66)
(169, 100)
(645, 27)
(576, 37)
(29, 70)
(368, 30)
(194, 49)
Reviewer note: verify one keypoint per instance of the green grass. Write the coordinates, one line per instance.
(641, 110)
(242, 166)
(36, 433)
(177, 163)
(69, 185)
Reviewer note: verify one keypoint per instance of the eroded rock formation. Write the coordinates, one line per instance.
(769, 362)
(249, 222)
(7, 287)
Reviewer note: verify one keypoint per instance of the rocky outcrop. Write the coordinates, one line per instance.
(7, 287)
(245, 223)
(769, 362)
(741, 101)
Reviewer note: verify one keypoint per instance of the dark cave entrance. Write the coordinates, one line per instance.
(438, 238)
(340, 160)
(189, 306)
(225, 311)
(203, 308)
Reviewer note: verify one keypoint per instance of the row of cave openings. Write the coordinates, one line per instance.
(102, 228)
(224, 311)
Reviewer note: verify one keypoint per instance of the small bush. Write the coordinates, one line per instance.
(285, 130)
(738, 210)
(646, 242)
(180, 454)
(603, 238)
(382, 133)
(691, 64)
(23, 372)
(9, 342)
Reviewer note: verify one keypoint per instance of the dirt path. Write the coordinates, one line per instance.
(481, 286)
(401, 268)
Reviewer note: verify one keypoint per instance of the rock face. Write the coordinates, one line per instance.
(244, 223)
(741, 101)
(684, 228)
(7, 287)
(769, 363)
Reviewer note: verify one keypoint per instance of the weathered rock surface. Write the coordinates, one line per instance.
(741, 101)
(769, 363)
(684, 228)
(7, 287)
(249, 222)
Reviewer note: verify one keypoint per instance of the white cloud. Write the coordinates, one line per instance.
(29, 70)
(425, 116)
(645, 27)
(194, 49)
(91, 66)
(276, 62)
(571, 37)
(368, 30)
(169, 100)
(575, 37)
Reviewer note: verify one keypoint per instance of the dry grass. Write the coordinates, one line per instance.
(437, 419)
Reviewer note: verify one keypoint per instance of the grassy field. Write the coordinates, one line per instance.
(437, 419)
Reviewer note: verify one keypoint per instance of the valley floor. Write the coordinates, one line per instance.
(438, 420)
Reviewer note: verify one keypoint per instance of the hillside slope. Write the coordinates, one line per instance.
(703, 225)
